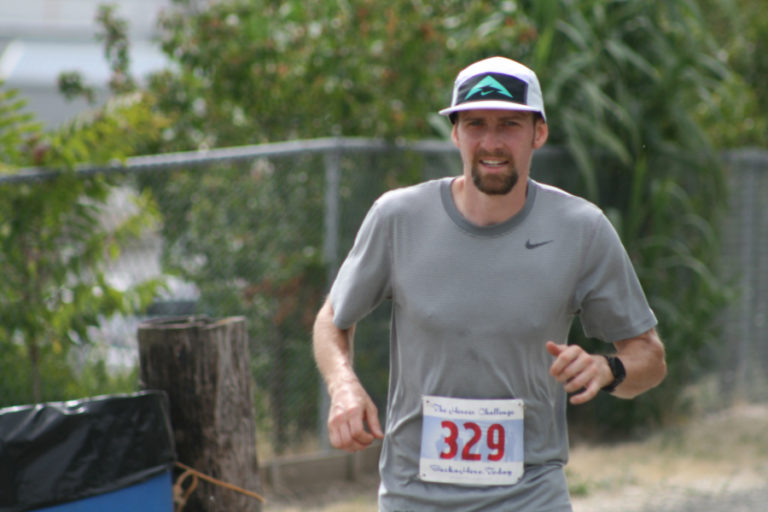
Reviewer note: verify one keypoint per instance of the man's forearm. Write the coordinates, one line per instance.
(644, 361)
(333, 348)
(353, 421)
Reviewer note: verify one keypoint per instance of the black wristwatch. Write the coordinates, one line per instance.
(618, 371)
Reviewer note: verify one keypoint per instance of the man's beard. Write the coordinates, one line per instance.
(495, 184)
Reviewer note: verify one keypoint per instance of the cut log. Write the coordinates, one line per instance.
(204, 366)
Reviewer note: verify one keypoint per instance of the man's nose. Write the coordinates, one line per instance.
(493, 139)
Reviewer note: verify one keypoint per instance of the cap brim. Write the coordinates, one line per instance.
(488, 105)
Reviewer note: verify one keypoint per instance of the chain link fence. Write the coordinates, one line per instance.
(259, 231)
(744, 355)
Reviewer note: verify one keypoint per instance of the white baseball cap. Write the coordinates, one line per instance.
(496, 83)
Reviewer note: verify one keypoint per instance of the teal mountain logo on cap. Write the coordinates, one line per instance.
(492, 86)
(486, 86)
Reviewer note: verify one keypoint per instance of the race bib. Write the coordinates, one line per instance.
(471, 442)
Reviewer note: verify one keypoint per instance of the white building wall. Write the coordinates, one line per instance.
(39, 39)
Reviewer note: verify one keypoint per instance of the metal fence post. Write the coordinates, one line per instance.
(331, 219)
(748, 263)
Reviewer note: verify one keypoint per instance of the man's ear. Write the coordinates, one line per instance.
(455, 133)
(540, 133)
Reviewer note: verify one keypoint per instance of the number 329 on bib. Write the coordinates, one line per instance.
(471, 442)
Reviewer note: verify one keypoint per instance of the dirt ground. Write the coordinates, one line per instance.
(716, 462)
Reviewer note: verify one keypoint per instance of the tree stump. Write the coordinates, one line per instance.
(204, 366)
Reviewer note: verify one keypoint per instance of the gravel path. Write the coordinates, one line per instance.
(675, 500)
(754, 500)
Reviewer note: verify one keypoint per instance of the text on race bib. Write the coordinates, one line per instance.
(471, 442)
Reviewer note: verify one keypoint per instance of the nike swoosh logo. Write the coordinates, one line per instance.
(529, 245)
(486, 93)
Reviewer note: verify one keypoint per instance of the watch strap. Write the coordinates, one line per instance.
(618, 371)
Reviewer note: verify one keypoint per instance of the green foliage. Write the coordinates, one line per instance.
(72, 85)
(264, 71)
(625, 83)
(54, 246)
(740, 28)
(14, 123)
(114, 35)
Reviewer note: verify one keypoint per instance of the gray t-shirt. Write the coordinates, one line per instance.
(472, 309)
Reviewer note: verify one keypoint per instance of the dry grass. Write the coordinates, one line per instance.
(711, 454)
(708, 455)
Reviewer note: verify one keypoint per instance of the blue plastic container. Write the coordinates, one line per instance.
(154, 495)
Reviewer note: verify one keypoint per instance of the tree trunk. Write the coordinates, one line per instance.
(204, 366)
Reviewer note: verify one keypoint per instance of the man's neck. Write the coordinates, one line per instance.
(484, 209)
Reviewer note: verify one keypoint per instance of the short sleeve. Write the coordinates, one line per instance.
(611, 303)
(363, 280)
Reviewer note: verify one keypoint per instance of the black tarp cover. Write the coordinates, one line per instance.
(58, 452)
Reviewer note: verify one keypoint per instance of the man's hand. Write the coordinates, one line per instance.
(351, 409)
(579, 371)
(584, 374)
